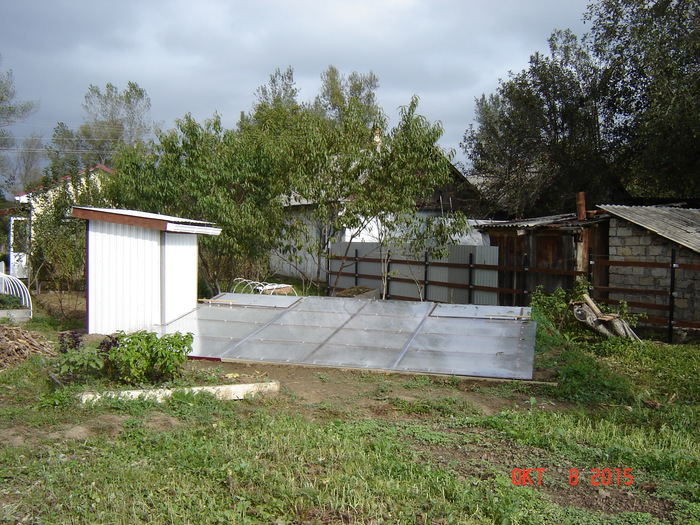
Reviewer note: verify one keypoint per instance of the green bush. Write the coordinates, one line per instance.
(137, 358)
(10, 302)
(143, 357)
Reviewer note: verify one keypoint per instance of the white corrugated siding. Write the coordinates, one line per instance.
(179, 275)
(123, 278)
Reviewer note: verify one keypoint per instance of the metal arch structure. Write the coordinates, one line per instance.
(241, 285)
(10, 285)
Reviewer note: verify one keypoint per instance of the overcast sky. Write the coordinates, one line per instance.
(211, 55)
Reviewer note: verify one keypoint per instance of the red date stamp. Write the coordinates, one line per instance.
(594, 476)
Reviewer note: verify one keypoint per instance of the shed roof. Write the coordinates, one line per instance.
(153, 221)
(680, 225)
(562, 221)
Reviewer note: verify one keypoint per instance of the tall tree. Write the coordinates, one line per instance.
(205, 172)
(538, 140)
(112, 118)
(27, 167)
(11, 112)
(351, 170)
(64, 152)
(650, 51)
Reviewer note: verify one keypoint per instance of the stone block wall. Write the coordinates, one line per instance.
(633, 243)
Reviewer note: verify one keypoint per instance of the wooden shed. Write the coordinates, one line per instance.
(141, 269)
(546, 251)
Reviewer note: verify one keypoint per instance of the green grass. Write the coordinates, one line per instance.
(432, 458)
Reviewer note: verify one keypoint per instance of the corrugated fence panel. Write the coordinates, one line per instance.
(445, 284)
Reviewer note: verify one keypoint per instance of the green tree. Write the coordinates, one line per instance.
(650, 52)
(112, 118)
(11, 112)
(27, 169)
(64, 153)
(57, 246)
(538, 140)
(205, 172)
(351, 171)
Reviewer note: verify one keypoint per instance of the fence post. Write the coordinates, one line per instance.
(589, 271)
(672, 295)
(388, 274)
(471, 279)
(426, 266)
(357, 270)
(526, 270)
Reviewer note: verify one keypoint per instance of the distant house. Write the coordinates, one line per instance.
(456, 195)
(30, 204)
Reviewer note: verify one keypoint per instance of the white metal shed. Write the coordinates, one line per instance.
(141, 268)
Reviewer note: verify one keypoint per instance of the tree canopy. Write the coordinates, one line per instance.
(11, 112)
(335, 153)
(615, 115)
(112, 118)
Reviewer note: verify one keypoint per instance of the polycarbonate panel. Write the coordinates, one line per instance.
(479, 365)
(398, 308)
(332, 304)
(270, 351)
(360, 333)
(210, 347)
(353, 357)
(306, 318)
(383, 323)
(468, 327)
(295, 333)
(395, 340)
(466, 345)
(237, 314)
(480, 311)
(263, 300)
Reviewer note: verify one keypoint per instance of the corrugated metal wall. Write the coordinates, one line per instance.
(179, 286)
(417, 273)
(124, 282)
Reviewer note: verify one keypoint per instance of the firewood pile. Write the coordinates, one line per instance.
(17, 344)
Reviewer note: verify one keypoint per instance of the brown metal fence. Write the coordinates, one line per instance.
(466, 283)
(658, 300)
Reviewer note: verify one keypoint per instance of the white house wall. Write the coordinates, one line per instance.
(179, 275)
(124, 280)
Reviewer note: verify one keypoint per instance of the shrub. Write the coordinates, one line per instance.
(138, 358)
(143, 357)
(10, 302)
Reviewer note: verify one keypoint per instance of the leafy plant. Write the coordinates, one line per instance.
(143, 357)
(69, 341)
(79, 362)
(137, 358)
(10, 302)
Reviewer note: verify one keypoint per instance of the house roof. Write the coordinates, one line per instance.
(23, 198)
(153, 221)
(680, 225)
